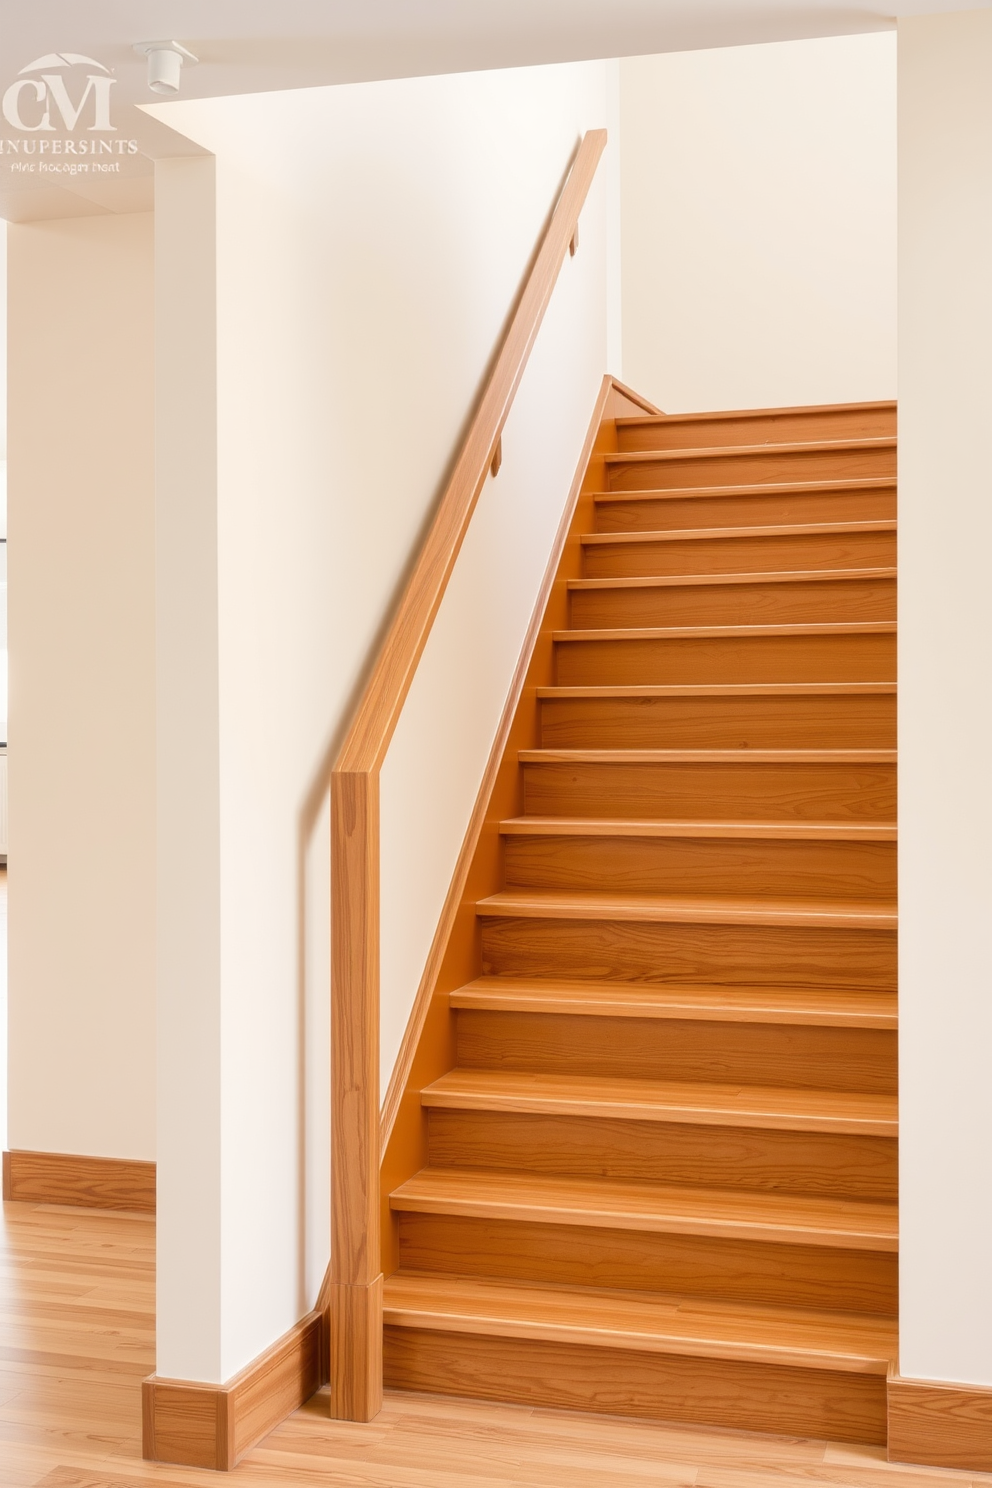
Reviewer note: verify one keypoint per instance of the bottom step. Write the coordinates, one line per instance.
(632, 1353)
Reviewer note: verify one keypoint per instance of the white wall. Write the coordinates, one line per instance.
(945, 695)
(759, 224)
(82, 747)
(435, 762)
(369, 242)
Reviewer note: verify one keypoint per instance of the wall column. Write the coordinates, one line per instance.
(945, 681)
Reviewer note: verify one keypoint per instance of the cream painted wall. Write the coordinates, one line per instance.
(435, 762)
(759, 224)
(351, 330)
(945, 696)
(82, 745)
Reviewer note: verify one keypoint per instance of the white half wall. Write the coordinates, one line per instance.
(370, 240)
(82, 697)
(945, 696)
(435, 762)
(759, 224)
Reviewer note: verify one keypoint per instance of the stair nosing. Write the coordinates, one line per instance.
(775, 576)
(833, 628)
(728, 534)
(794, 410)
(665, 909)
(839, 485)
(623, 826)
(719, 689)
(650, 1208)
(686, 1004)
(743, 451)
(481, 1314)
(665, 1102)
(708, 756)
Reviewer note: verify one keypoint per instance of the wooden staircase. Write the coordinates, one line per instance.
(662, 1176)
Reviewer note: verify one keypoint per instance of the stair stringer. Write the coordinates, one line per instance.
(428, 1049)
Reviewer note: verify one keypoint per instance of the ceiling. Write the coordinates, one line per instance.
(251, 46)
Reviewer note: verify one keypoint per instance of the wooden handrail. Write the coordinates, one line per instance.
(355, 1291)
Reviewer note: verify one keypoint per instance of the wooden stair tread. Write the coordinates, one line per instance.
(734, 632)
(667, 419)
(707, 756)
(560, 904)
(851, 1224)
(776, 576)
(721, 689)
(803, 831)
(728, 451)
(686, 1102)
(786, 1005)
(711, 534)
(838, 486)
(641, 1320)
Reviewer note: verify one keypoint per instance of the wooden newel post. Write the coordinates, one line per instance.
(356, 1279)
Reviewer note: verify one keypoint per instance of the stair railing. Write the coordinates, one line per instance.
(355, 1278)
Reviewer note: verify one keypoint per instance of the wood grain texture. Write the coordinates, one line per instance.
(668, 862)
(773, 549)
(838, 653)
(695, 1103)
(782, 1006)
(940, 1425)
(729, 599)
(688, 1326)
(89, 1182)
(755, 1397)
(754, 1159)
(213, 1426)
(681, 951)
(781, 1054)
(729, 785)
(730, 1268)
(757, 426)
(871, 500)
(841, 459)
(651, 1208)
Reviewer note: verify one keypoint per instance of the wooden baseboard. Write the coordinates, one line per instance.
(86, 1182)
(213, 1426)
(938, 1425)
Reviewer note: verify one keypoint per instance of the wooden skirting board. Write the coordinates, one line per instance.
(87, 1182)
(939, 1425)
(213, 1426)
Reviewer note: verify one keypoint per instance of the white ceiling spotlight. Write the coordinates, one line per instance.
(165, 64)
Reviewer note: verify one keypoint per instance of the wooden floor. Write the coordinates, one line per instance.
(77, 1297)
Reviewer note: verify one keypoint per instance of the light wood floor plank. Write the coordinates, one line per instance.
(76, 1336)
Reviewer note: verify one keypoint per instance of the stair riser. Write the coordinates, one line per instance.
(713, 792)
(749, 468)
(744, 955)
(773, 428)
(782, 721)
(753, 1397)
(690, 513)
(792, 554)
(827, 1164)
(728, 1269)
(799, 602)
(801, 658)
(720, 1053)
(776, 868)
